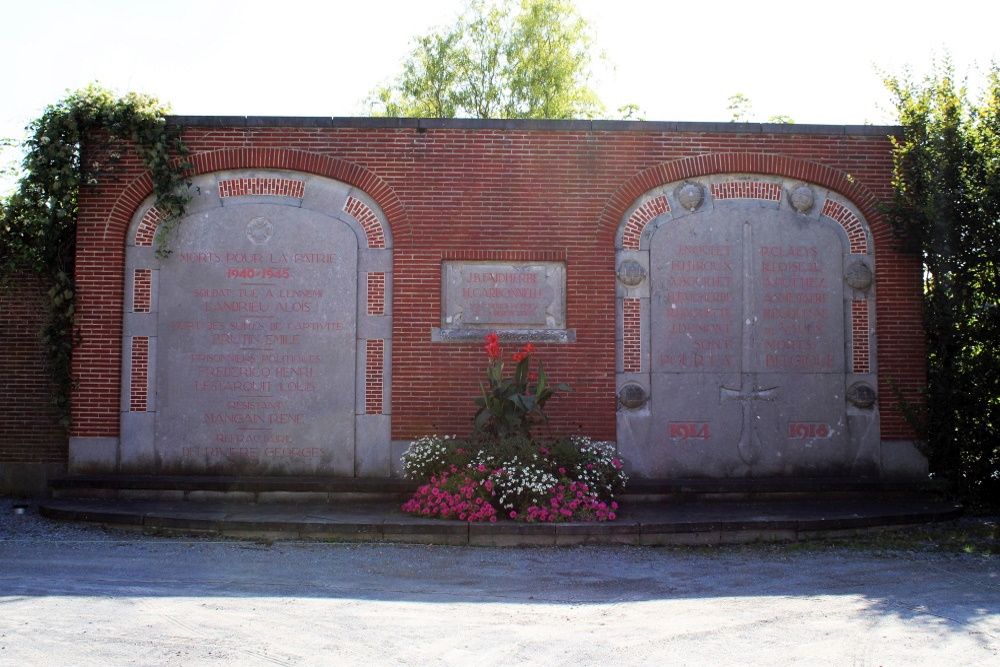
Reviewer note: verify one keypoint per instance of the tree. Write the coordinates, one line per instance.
(741, 111)
(947, 208)
(495, 62)
(740, 108)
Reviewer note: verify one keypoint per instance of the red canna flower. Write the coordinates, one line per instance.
(492, 346)
(524, 352)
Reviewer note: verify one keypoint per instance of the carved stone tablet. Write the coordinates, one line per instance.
(497, 295)
(257, 361)
(747, 331)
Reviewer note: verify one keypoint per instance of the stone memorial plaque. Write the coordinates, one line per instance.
(747, 326)
(257, 362)
(498, 295)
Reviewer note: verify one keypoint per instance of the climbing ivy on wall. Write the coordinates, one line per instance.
(38, 220)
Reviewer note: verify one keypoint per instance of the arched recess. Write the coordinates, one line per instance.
(261, 345)
(746, 330)
(96, 409)
(762, 164)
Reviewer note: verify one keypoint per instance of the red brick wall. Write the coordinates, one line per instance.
(502, 190)
(29, 423)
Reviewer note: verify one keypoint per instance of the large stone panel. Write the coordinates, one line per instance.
(257, 344)
(749, 352)
(747, 344)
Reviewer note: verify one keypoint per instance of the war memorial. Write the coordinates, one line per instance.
(726, 301)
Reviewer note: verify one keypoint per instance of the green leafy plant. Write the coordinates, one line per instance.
(947, 208)
(38, 220)
(502, 471)
(512, 405)
(499, 59)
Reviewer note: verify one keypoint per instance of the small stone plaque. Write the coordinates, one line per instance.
(503, 295)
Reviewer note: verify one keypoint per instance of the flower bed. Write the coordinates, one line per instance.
(502, 472)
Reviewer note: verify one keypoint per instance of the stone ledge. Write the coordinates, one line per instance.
(523, 125)
(797, 488)
(232, 489)
(640, 524)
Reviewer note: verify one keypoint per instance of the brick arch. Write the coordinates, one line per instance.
(750, 163)
(117, 222)
(100, 267)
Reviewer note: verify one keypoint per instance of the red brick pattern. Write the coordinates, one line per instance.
(501, 189)
(850, 223)
(139, 392)
(29, 422)
(146, 231)
(374, 368)
(632, 335)
(376, 293)
(142, 290)
(637, 221)
(283, 187)
(369, 221)
(860, 334)
(746, 190)
(487, 255)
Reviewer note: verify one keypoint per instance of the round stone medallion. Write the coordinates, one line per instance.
(632, 396)
(858, 276)
(690, 196)
(802, 199)
(631, 273)
(260, 231)
(861, 395)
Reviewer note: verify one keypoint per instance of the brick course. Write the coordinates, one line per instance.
(29, 423)
(501, 190)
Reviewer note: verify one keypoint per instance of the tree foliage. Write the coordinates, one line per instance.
(38, 220)
(498, 60)
(740, 109)
(947, 207)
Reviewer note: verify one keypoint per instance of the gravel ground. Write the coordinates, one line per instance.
(72, 594)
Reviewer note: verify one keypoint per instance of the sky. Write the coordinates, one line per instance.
(816, 62)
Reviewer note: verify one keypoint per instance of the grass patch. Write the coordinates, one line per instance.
(969, 535)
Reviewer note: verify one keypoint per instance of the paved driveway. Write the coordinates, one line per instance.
(80, 595)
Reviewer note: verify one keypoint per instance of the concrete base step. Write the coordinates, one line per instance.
(700, 523)
(792, 488)
(233, 489)
(334, 490)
